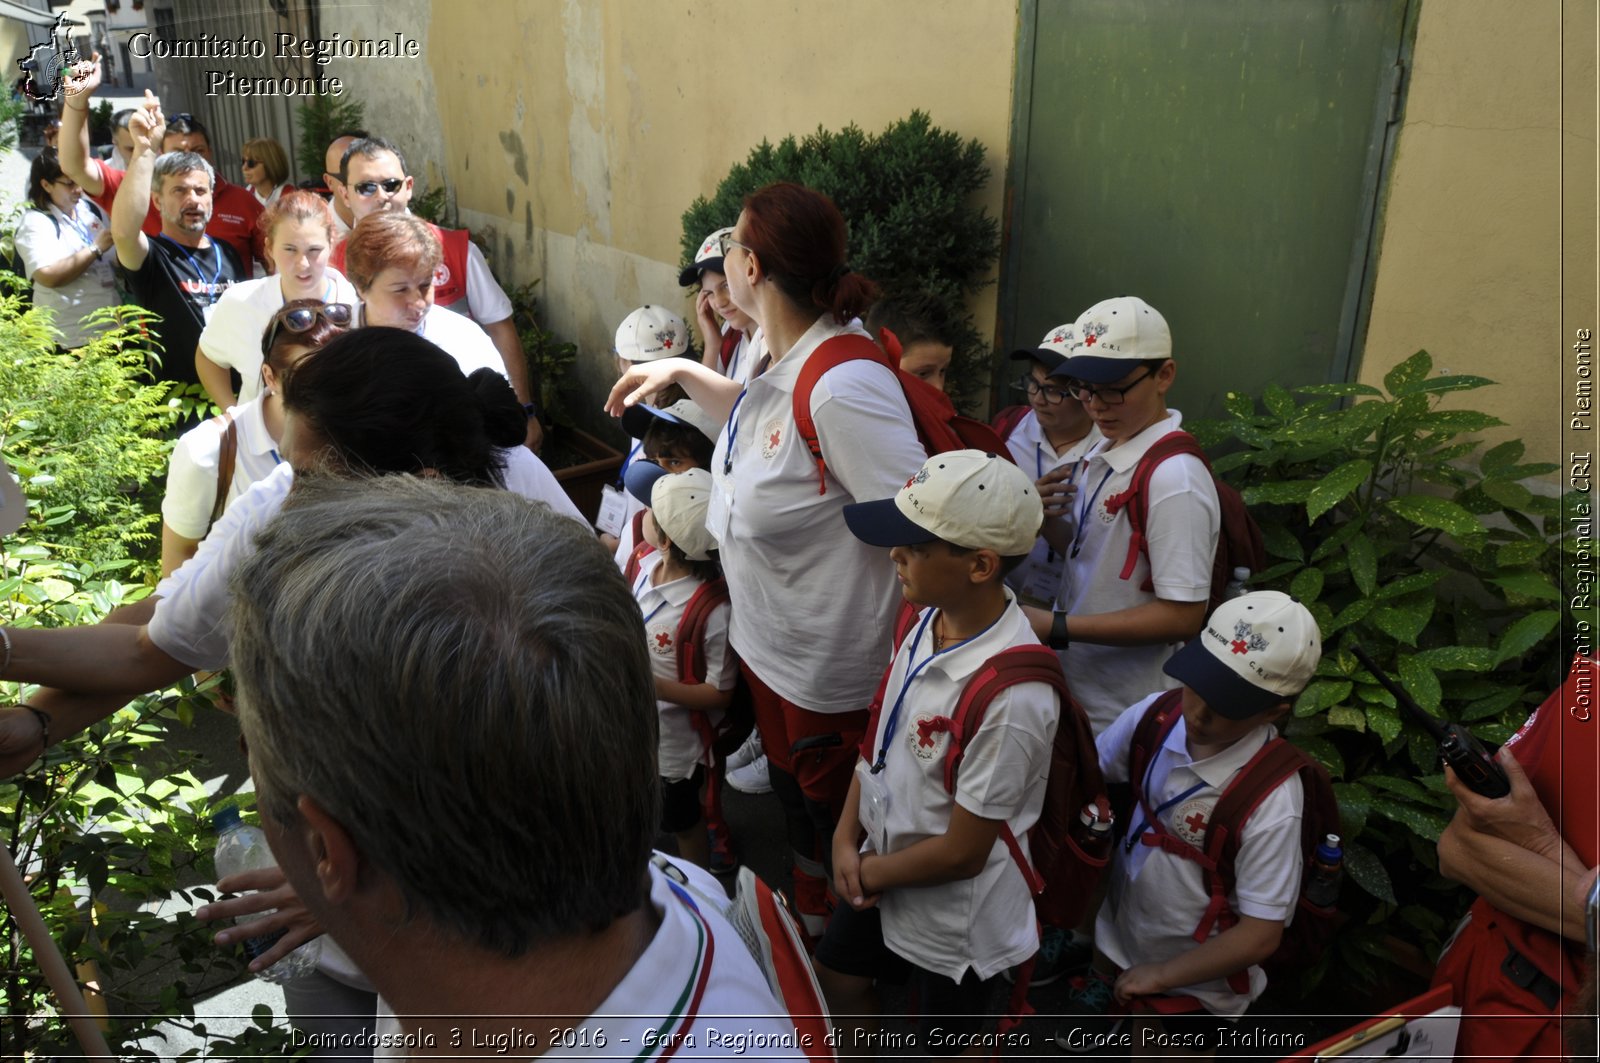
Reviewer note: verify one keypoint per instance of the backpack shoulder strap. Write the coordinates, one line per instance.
(829, 353)
(730, 342)
(1136, 496)
(630, 571)
(692, 629)
(1006, 421)
(1159, 718)
(227, 459)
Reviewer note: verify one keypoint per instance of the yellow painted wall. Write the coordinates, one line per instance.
(1471, 257)
(587, 128)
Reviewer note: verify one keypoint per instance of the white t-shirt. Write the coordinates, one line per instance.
(192, 475)
(1182, 528)
(462, 339)
(813, 606)
(486, 301)
(681, 746)
(232, 336)
(1156, 899)
(1039, 577)
(45, 237)
(660, 1000)
(190, 620)
(985, 923)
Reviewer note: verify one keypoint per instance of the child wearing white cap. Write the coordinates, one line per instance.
(685, 606)
(1238, 677)
(930, 891)
(731, 348)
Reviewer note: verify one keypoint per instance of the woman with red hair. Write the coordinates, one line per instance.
(812, 606)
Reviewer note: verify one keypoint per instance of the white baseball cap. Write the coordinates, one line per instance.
(969, 499)
(678, 502)
(709, 256)
(1052, 350)
(1113, 335)
(651, 332)
(1257, 650)
(637, 419)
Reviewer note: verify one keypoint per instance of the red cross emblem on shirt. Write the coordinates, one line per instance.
(926, 729)
(772, 440)
(1196, 822)
(1241, 646)
(663, 639)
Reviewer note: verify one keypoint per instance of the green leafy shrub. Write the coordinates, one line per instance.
(1384, 518)
(321, 119)
(100, 122)
(113, 822)
(906, 196)
(550, 358)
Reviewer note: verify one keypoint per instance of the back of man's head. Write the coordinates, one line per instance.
(459, 678)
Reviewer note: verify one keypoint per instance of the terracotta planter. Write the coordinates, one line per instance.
(598, 466)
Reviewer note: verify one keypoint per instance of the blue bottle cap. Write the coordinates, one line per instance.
(227, 817)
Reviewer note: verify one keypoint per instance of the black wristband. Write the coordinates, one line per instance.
(1059, 639)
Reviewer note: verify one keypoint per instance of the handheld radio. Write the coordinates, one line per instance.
(1466, 756)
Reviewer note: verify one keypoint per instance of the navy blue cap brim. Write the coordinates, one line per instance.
(1226, 692)
(690, 274)
(637, 419)
(1092, 369)
(880, 523)
(1051, 360)
(641, 477)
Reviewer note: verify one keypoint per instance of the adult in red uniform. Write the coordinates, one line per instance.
(1518, 961)
(234, 209)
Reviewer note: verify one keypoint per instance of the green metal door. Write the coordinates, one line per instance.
(1220, 158)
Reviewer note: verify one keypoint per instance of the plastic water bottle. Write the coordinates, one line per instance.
(241, 847)
(1325, 874)
(1093, 834)
(1235, 586)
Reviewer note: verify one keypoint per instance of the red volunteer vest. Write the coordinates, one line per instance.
(449, 280)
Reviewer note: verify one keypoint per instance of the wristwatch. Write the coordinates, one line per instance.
(533, 411)
(1059, 639)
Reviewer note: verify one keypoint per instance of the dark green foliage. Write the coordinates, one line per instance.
(321, 119)
(906, 196)
(1399, 536)
(100, 122)
(550, 359)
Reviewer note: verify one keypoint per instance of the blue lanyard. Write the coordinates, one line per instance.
(912, 671)
(1085, 508)
(638, 586)
(72, 223)
(216, 277)
(733, 430)
(1146, 817)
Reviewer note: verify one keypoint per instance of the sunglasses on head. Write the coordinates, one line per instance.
(303, 318)
(390, 186)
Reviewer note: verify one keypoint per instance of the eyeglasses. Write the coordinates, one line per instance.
(726, 241)
(1109, 395)
(1052, 395)
(304, 318)
(390, 186)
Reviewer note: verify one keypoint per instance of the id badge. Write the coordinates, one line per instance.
(874, 810)
(1038, 579)
(613, 511)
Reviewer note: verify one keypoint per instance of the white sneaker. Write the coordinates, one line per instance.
(753, 778)
(748, 753)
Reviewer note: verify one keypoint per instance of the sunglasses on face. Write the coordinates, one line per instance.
(248, 162)
(390, 186)
(303, 318)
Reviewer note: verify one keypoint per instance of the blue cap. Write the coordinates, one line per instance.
(641, 477)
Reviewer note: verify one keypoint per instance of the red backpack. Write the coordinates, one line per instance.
(939, 426)
(1239, 542)
(1005, 422)
(1308, 935)
(730, 343)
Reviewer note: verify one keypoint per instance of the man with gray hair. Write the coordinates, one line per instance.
(182, 272)
(455, 765)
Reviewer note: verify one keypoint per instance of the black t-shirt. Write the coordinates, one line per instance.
(179, 283)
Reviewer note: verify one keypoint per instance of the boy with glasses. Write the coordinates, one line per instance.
(1115, 623)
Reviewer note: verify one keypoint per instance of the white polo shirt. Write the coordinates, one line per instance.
(695, 993)
(1156, 899)
(813, 605)
(985, 923)
(662, 606)
(192, 474)
(232, 336)
(752, 345)
(1039, 577)
(1182, 532)
(462, 339)
(486, 301)
(190, 620)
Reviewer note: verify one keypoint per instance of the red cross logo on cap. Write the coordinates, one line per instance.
(1241, 646)
(1089, 340)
